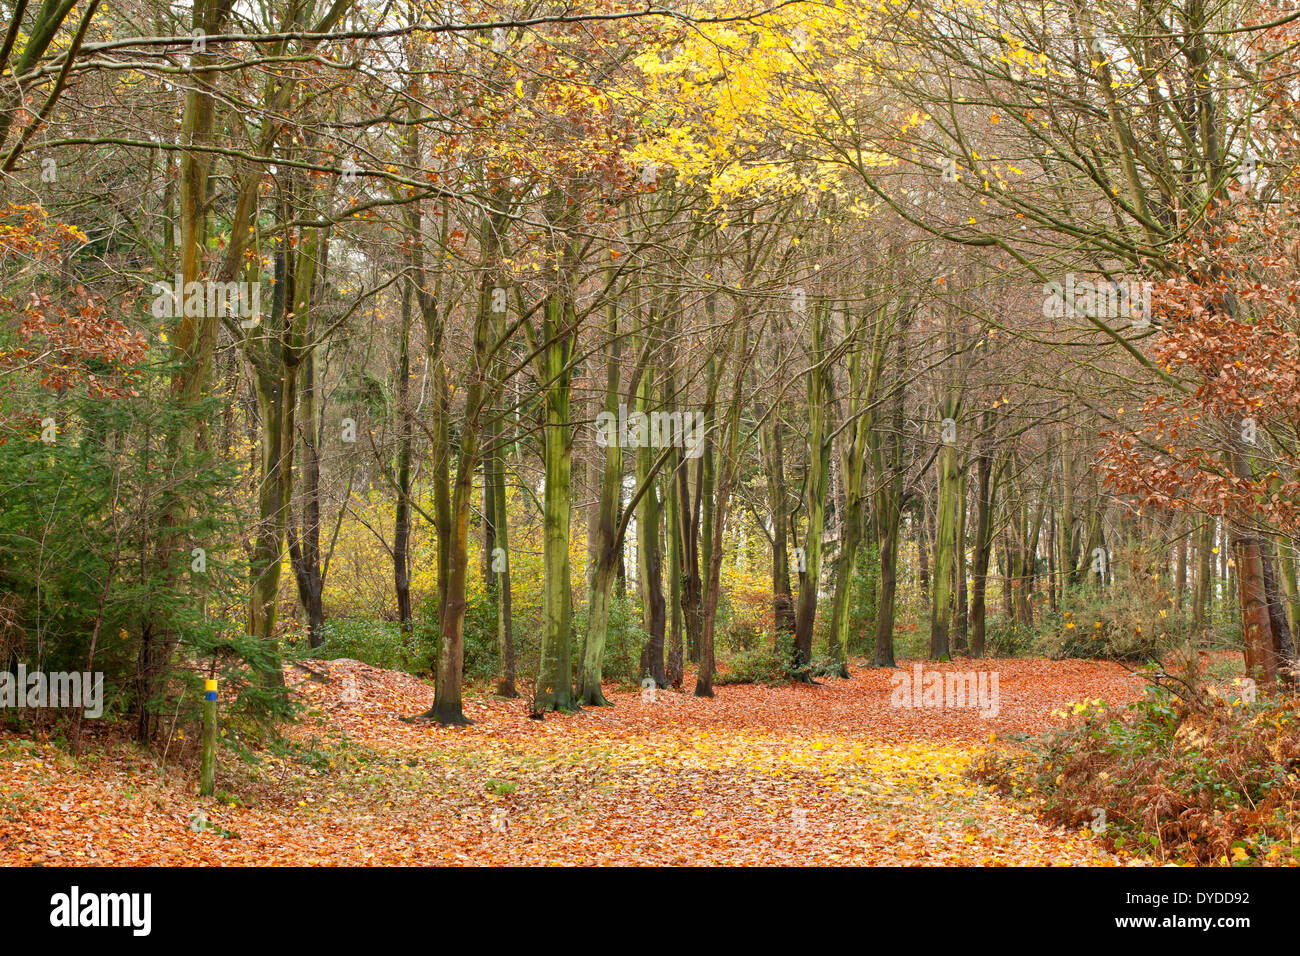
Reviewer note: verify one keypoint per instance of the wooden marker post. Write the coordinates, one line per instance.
(207, 772)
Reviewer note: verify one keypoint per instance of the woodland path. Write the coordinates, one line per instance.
(801, 774)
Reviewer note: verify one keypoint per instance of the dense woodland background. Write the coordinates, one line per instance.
(828, 229)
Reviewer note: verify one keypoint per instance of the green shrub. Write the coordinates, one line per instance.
(480, 634)
(742, 637)
(767, 662)
(1130, 619)
(914, 642)
(377, 643)
(863, 598)
(120, 556)
(623, 640)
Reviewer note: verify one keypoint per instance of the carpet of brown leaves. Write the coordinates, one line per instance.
(801, 774)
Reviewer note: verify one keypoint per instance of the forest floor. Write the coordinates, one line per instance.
(801, 774)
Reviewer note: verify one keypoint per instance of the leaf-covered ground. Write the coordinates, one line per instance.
(803, 774)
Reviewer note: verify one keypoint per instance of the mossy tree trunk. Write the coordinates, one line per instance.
(608, 544)
(864, 382)
(649, 521)
(554, 687)
(818, 396)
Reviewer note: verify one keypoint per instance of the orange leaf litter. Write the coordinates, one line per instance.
(799, 774)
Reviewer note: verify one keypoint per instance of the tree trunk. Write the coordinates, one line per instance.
(853, 460)
(1204, 555)
(1281, 646)
(1252, 588)
(1286, 570)
(1180, 567)
(774, 466)
(920, 535)
(447, 704)
(688, 517)
(502, 586)
(608, 540)
(677, 593)
(304, 550)
(705, 504)
(960, 614)
(886, 446)
(984, 494)
(649, 555)
(402, 508)
(945, 560)
(883, 653)
(494, 477)
(275, 358)
(814, 500)
(554, 689)
(1065, 564)
(1256, 627)
(729, 459)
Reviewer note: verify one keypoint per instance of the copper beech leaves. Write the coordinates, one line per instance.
(66, 339)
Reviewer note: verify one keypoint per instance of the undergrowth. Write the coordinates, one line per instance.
(1187, 773)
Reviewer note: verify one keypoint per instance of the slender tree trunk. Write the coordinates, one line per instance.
(1286, 572)
(845, 564)
(688, 543)
(276, 373)
(649, 555)
(814, 502)
(920, 533)
(1257, 629)
(985, 492)
(774, 462)
(862, 393)
(677, 596)
(447, 705)
(883, 654)
(1252, 586)
(554, 689)
(945, 561)
(1180, 567)
(494, 473)
(1281, 647)
(1051, 560)
(1005, 572)
(887, 479)
(960, 615)
(439, 456)
(672, 528)
(705, 495)
(608, 540)
(402, 508)
(1065, 564)
(729, 460)
(505, 620)
(1204, 548)
(304, 551)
